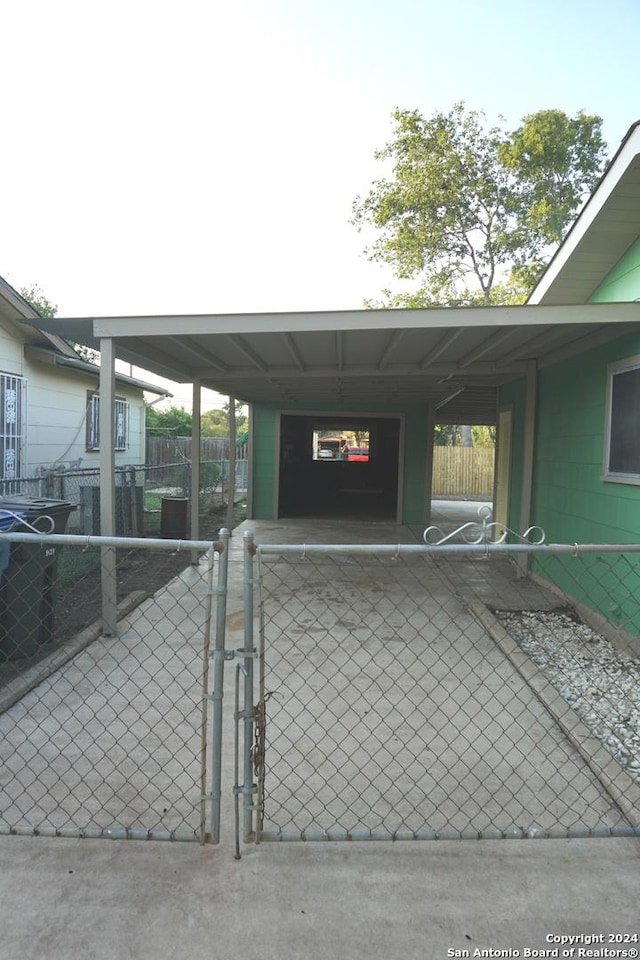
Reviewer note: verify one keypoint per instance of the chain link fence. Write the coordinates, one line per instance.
(426, 692)
(140, 492)
(403, 692)
(108, 735)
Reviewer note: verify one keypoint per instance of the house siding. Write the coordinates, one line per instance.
(10, 352)
(265, 453)
(56, 407)
(622, 283)
(570, 499)
(55, 399)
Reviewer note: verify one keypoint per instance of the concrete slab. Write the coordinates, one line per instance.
(100, 900)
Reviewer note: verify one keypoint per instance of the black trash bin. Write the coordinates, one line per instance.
(27, 584)
(173, 518)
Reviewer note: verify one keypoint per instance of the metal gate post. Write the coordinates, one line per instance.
(248, 653)
(218, 685)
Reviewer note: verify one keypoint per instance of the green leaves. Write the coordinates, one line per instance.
(469, 211)
(34, 296)
(556, 161)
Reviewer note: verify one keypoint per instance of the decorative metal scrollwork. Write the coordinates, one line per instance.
(483, 531)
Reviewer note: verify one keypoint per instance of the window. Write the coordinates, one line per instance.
(622, 426)
(349, 444)
(12, 425)
(121, 414)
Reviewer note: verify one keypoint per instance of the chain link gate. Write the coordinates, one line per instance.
(113, 736)
(393, 701)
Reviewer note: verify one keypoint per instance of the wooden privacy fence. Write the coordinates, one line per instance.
(463, 472)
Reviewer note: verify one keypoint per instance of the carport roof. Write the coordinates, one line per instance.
(454, 358)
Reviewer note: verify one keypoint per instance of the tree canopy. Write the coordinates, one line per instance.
(177, 422)
(35, 297)
(173, 422)
(472, 213)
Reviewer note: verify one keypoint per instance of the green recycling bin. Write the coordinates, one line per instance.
(28, 578)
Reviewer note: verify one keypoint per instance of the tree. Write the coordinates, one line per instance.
(215, 423)
(173, 422)
(470, 212)
(555, 159)
(35, 297)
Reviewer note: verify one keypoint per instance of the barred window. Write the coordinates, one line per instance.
(121, 416)
(622, 427)
(12, 425)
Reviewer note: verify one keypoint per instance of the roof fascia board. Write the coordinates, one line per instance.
(121, 328)
(19, 304)
(628, 149)
(29, 316)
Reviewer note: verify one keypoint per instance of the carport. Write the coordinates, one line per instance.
(402, 369)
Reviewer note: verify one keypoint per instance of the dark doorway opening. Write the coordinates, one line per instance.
(339, 466)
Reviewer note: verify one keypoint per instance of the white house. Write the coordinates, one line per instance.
(49, 400)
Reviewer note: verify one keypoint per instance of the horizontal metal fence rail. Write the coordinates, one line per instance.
(114, 737)
(415, 691)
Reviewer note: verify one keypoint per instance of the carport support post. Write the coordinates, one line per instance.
(195, 467)
(231, 481)
(108, 486)
(247, 713)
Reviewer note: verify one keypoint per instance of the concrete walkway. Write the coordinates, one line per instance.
(63, 899)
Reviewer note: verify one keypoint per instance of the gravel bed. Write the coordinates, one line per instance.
(600, 682)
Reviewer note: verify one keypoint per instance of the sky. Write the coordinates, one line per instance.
(203, 156)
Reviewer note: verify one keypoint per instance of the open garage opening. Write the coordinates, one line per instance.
(339, 466)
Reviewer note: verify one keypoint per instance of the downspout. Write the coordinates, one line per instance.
(108, 486)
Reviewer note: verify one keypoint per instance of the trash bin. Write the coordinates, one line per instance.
(173, 518)
(27, 582)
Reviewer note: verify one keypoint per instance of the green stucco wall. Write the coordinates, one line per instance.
(265, 421)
